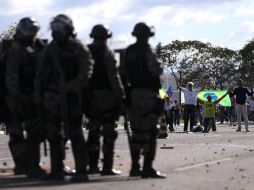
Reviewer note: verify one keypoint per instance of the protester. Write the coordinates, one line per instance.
(168, 110)
(176, 113)
(199, 113)
(231, 110)
(241, 108)
(209, 112)
(190, 96)
(251, 109)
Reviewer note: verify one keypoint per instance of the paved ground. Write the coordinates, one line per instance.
(223, 160)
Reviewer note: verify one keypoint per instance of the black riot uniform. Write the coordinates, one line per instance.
(25, 134)
(142, 71)
(63, 72)
(105, 101)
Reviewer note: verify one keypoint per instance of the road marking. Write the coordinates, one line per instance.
(5, 159)
(185, 168)
(205, 137)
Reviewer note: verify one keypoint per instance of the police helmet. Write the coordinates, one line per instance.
(28, 27)
(142, 29)
(100, 31)
(62, 23)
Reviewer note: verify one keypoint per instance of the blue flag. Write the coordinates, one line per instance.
(169, 91)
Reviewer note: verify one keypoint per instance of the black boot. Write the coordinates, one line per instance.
(93, 162)
(108, 166)
(152, 173)
(68, 171)
(79, 177)
(56, 157)
(149, 155)
(135, 167)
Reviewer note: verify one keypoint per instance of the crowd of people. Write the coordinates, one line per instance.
(46, 88)
(195, 110)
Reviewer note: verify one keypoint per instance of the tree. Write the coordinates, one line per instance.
(246, 67)
(220, 65)
(182, 57)
(199, 62)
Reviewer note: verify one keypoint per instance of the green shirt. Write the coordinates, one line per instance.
(209, 109)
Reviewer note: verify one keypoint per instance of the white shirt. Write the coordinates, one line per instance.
(251, 108)
(190, 96)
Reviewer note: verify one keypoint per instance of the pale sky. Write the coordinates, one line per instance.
(228, 23)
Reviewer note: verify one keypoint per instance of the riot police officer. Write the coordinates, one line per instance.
(20, 61)
(64, 71)
(105, 102)
(143, 71)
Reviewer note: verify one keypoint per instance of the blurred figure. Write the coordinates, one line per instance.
(199, 113)
(24, 130)
(105, 102)
(168, 110)
(176, 113)
(143, 72)
(64, 71)
(251, 109)
(231, 110)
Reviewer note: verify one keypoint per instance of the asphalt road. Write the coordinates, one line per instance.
(222, 160)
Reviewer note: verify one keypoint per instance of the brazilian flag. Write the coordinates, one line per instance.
(215, 94)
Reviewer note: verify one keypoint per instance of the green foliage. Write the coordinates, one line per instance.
(196, 61)
(247, 66)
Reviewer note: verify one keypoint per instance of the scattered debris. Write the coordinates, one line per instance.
(244, 176)
(241, 169)
(207, 165)
(223, 149)
(167, 147)
(232, 178)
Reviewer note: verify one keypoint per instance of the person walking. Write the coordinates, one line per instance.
(241, 108)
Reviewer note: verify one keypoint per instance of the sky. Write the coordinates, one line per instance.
(227, 23)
